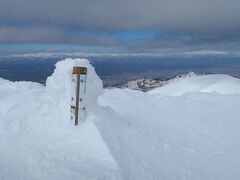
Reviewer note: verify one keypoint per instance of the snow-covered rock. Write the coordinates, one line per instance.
(149, 84)
(141, 84)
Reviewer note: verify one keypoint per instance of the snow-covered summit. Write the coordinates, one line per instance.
(149, 84)
(188, 129)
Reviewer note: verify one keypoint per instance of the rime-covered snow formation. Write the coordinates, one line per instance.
(59, 86)
(187, 129)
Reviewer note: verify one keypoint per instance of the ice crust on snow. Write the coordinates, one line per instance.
(188, 129)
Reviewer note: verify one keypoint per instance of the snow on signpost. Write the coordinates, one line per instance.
(78, 109)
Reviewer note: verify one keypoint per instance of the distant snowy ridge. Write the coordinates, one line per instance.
(149, 84)
(186, 82)
(187, 129)
(140, 84)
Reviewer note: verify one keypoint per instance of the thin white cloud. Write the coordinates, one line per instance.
(48, 55)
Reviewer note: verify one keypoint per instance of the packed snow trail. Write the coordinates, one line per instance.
(188, 129)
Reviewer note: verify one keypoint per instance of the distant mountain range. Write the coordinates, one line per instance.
(149, 84)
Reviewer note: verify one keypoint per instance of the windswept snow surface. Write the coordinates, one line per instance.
(223, 84)
(188, 129)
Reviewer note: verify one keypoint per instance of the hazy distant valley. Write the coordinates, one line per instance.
(117, 71)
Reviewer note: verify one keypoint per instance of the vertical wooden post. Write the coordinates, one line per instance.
(77, 100)
(77, 71)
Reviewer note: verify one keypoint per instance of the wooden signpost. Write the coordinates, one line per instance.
(78, 108)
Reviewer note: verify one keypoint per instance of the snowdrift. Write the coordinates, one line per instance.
(223, 84)
(188, 129)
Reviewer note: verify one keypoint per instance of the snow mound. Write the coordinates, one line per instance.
(222, 84)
